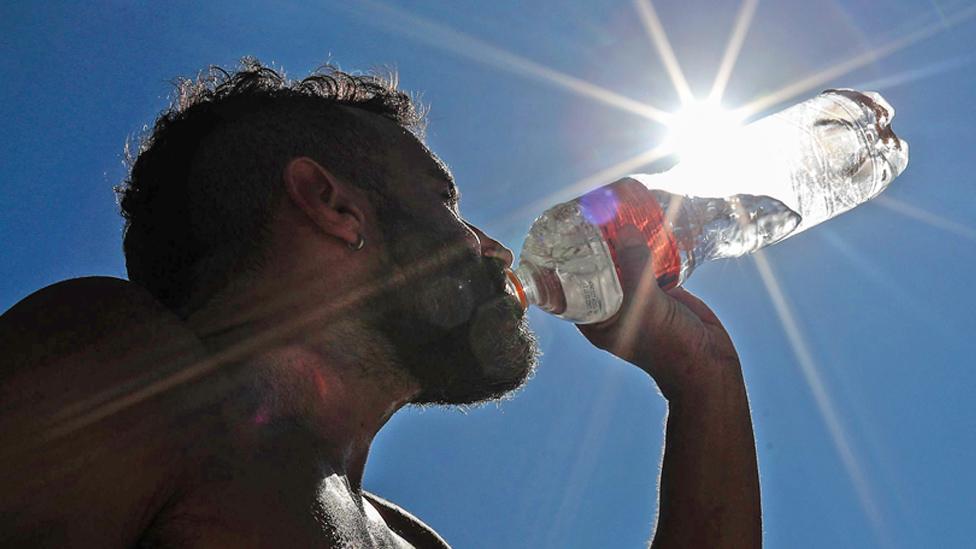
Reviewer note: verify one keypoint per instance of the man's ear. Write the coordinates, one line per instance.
(327, 202)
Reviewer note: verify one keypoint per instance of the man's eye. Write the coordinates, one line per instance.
(450, 195)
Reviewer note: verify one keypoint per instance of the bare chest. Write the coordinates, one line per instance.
(273, 516)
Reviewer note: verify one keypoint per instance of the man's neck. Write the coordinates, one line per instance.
(342, 406)
(334, 384)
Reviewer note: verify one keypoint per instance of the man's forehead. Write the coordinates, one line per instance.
(410, 148)
(421, 158)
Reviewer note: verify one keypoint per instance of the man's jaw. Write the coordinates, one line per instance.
(499, 356)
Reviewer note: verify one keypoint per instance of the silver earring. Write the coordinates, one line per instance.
(358, 245)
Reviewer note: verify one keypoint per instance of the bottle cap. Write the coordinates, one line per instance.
(514, 287)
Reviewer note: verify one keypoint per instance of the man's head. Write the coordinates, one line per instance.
(251, 176)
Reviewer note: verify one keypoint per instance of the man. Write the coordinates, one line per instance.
(299, 272)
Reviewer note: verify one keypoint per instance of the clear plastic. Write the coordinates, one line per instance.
(568, 262)
(799, 167)
(821, 157)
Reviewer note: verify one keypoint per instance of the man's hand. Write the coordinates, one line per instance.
(709, 479)
(673, 336)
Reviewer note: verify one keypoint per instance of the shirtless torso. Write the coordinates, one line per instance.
(112, 438)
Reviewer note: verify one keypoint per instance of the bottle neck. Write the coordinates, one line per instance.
(515, 287)
(539, 286)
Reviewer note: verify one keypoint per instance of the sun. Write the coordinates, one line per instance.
(701, 130)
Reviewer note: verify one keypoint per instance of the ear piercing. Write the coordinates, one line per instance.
(358, 245)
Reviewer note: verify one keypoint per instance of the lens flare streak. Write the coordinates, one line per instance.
(454, 42)
(828, 410)
(819, 79)
(927, 217)
(651, 22)
(611, 173)
(914, 75)
(731, 55)
(81, 414)
(898, 294)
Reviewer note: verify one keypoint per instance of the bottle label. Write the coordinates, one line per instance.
(591, 298)
(628, 202)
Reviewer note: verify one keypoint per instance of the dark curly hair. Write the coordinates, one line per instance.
(202, 189)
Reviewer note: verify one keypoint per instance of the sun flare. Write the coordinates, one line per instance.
(699, 130)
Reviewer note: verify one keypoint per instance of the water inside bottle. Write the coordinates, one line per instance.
(715, 228)
(567, 268)
(570, 257)
(778, 176)
(821, 157)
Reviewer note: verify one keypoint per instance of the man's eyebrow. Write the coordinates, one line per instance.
(440, 173)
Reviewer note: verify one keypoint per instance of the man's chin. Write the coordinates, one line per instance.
(502, 358)
(479, 392)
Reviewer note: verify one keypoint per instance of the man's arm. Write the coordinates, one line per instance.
(709, 480)
(88, 450)
(709, 494)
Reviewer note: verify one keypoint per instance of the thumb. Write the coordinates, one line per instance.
(633, 257)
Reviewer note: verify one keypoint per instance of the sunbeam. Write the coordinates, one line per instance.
(604, 176)
(820, 78)
(742, 22)
(914, 75)
(883, 280)
(925, 216)
(660, 38)
(294, 316)
(811, 374)
(451, 41)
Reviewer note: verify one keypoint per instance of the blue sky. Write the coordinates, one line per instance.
(854, 336)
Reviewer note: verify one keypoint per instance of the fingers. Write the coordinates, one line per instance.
(640, 287)
(646, 308)
(670, 335)
(695, 305)
(645, 303)
(642, 300)
(633, 258)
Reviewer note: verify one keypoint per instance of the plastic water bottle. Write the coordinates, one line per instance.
(774, 178)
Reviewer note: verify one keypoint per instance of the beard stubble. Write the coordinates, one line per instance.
(452, 325)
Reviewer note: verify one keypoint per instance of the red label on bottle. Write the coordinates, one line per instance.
(629, 202)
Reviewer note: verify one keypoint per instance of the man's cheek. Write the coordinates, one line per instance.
(447, 302)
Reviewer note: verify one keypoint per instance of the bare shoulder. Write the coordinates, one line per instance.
(407, 526)
(83, 341)
(88, 447)
(86, 318)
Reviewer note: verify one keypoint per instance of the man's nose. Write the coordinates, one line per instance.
(493, 248)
